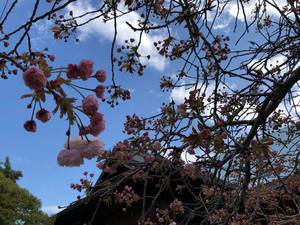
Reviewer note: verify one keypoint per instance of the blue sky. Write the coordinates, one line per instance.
(35, 153)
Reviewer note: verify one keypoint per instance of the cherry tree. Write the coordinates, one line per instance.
(237, 123)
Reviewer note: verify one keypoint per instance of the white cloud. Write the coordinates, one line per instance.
(227, 13)
(105, 31)
(50, 210)
(41, 34)
(221, 21)
(178, 94)
(221, 24)
(287, 107)
(267, 65)
(188, 158)
(236, 10)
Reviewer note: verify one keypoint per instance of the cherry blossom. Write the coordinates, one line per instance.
(101, 76)
(100, 89)
(181, 108)
(93, 148)
(156, 146)
(35, 78)
(30, 126)
(69, 157)
(77, 142)
(72, 71)
(90, 104)
(85, 69)
(97, 124)
(43, 115)
(176, 206)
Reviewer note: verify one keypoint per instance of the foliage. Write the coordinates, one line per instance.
(8, 172)
(239, 120)
(18, 206)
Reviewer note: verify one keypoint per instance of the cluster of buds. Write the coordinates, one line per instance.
(176, 207)
(166, 83)
(86, 183)
(133, 124)
(116, 92)
(130, 59)
(127, 196)
(162, 216)
(121, 151)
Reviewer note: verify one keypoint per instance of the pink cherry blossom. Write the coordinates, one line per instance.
(72, 71)
(43, 115)
(191, 150)
(78, 143)
(97, 124)
(51, 58)
(30, 126)
(176, 206)
(85, 69)
(156, 146)
(90, 104)
(181, 108)
(101, 75)
(93, 149)
(100, 89)
(69, 157)
(35, 78)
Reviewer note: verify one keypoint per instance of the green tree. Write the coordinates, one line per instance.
(8, 172)
(18, 206)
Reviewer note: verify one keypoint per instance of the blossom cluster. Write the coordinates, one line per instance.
(133, 124)
(37, 80)
(127, 196)
(85, 183)
(176, 207)
(78, 149)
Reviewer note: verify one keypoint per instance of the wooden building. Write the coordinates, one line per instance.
(99, 207)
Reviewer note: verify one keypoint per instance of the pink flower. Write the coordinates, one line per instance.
(101, 76)
(156, 146)
(97, 124)
(191, 150)
(35, 78)
(100, 89)
(176, 206)
(51, 58)
(43, 115)
(72, 71)
(85, 69)
(181, 108)
(69, 157)
(90, 104)
(93, 149)
(30, 126)
(77, 143)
